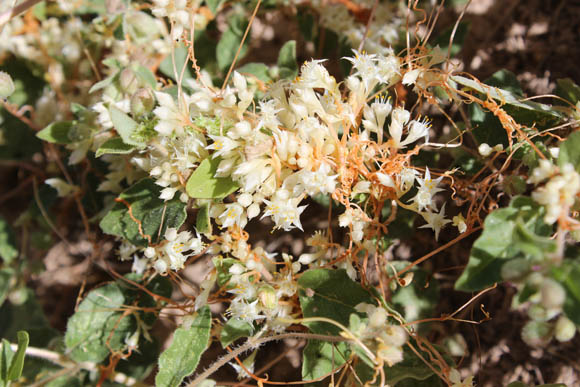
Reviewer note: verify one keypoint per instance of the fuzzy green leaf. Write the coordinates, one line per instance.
(145, 75)
(230, 41)
(287, 60)
(125, 126)
(331, 294)
(235, 329)
(98, 325)
(203, 220)
(187, 346)
(114, 146)
(517, 231)
(57, 132)
(567, 274)
(8, 249)
(320, 358)
(203, 185)
(570, 151)
(155, 215)
(17, 362)
(567, 89)
(6, 356)
(259, 70)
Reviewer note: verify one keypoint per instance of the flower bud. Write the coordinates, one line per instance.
(142, 102)
(564, 329)
(553, 294)
(267, 297)
(128, 81)
(536, 333)
(6, 85)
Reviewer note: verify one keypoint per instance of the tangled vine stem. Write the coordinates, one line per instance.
(62, 361)
(253, 343)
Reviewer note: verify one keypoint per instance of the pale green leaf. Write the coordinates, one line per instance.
(203, 220)
(182, 356)
(203, 185)
(125, 126)
(114, 146)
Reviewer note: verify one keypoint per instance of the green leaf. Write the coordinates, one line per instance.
(418, 299)
(181, 53)
(524, 112)
(185, 350)
(331, 294)
(203, 221)
(57, 132)
(6, 356)
(6, 275)
(203, 185)
(98, 325)
(125, 126)
(17, 362)
(145, 75)
(235, 329)
(570, 151)
(155, 215)
(104, 83)
(230, 41)
(567, 89)
(222, 266)
(8, 249)
(214, 5)
(506, 80)
(443, 39)
(287, 60)
(320, 358)
(513, 232)
(114, 146)
(259, 70)
(567, 274)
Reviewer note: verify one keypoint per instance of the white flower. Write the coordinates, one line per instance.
(243, 310)
(62, 187)
(417, 130)
(484, 149)
(427, 188)
(234, 214)
(313, 182)
(435, 221)
(284, 211)
(386, 180)
(399, 119)
(459, 222)
(168, 114)
(174, 251)
(222, 145)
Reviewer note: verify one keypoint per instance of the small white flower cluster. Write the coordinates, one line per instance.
(560, 191)
(387, 339)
